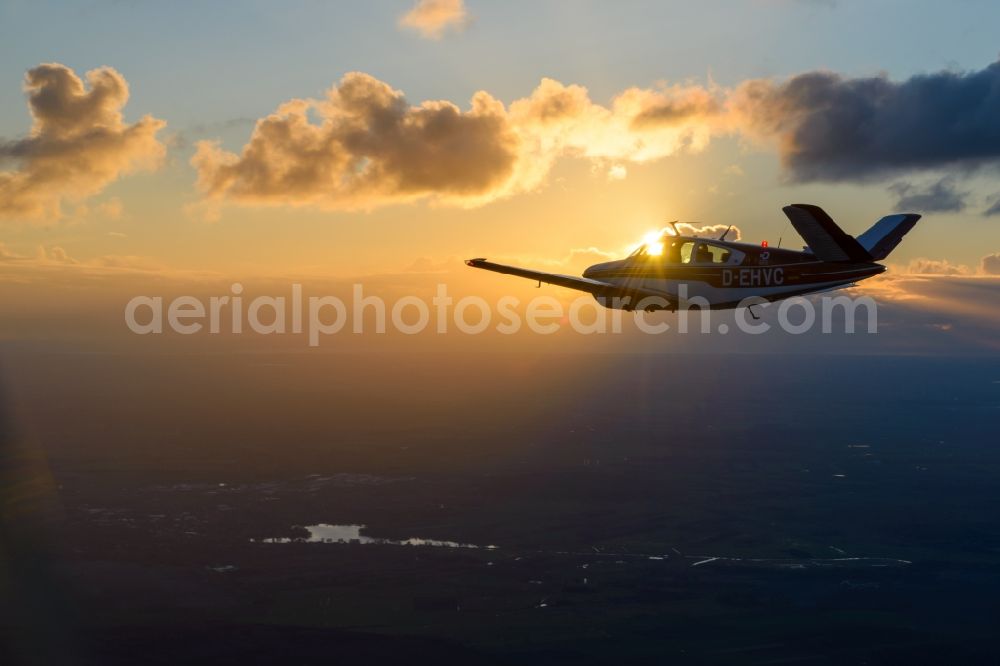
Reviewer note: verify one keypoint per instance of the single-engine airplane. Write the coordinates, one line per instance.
(724, 273)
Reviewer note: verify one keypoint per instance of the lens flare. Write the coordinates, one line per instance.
(653, 242)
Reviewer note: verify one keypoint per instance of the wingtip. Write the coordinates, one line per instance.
(474, 262)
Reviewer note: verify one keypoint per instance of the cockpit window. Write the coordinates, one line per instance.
(685, 251)
(717, 254)
(697, 252)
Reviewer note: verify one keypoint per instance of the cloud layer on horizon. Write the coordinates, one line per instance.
(989, 265)
(79, 143)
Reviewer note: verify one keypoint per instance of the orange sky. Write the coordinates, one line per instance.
(357, 174)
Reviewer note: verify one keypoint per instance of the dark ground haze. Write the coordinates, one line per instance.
(852, 504)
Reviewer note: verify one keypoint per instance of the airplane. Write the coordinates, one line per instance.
(724, 273)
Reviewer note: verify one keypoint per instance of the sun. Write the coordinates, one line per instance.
(653, 242)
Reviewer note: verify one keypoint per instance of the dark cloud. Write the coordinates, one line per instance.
(994, 208)
(79, 142)
(991, 264)
(834, 128)
(938, 197)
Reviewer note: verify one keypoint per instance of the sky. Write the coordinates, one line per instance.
(166, 153)
(334, 140)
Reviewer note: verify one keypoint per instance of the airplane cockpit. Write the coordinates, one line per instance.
(694, 251)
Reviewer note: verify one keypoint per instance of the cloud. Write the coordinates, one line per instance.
(78, 144)
(829, 127)
(994, 207)
(916, 310)
(988, 266)
(6, 254)
(617, 172)
(673, 105)
(429, 265)
(371, 147)
(581, 258)
(49, 261)
(923, 266)
(710, 230)
(941, 196)
(112, 208)
(733, 170)
(364, 145)
(55, 255)
(431, 18)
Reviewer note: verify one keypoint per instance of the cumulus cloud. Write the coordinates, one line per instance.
(79, 142)
(54, 255)
(710, 230)
(431, 18)
(923, 266)
(990, 264)
(365, 145)
(937, 197)
(830, 127)
(673, 105)
(564, 117)
(371, 147)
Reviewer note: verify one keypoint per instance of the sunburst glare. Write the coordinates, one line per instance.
(653, 241)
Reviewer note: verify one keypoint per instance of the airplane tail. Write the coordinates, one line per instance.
(885, 234)
(830, 243)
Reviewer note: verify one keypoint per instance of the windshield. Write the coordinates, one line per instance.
(687, 251)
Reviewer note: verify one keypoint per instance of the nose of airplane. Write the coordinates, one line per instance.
(595, 270)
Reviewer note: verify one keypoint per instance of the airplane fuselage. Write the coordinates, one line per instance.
(735, 272)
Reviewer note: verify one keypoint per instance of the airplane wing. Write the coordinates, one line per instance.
(595, 287)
